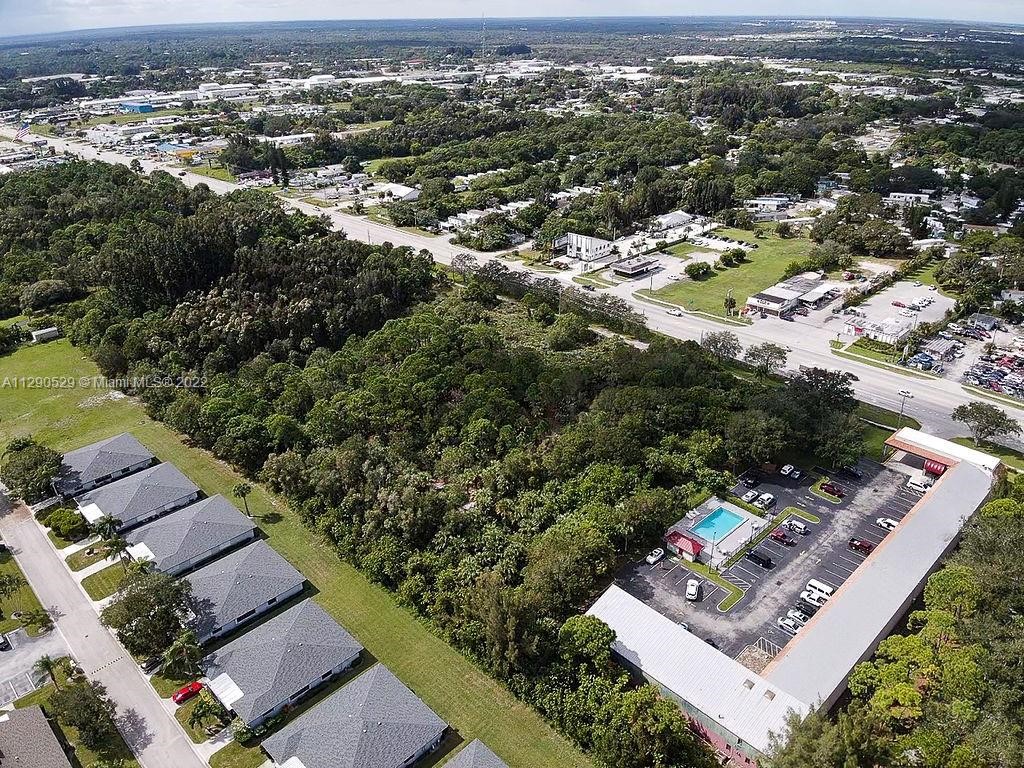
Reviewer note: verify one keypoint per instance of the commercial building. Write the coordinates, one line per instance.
(240, 587)
(888, 331)
(279, 662)
(807, 290)
(100, 463)
(139, 497)
(738, 710)
(634, 267)
(584, 248)
(183, 539)
(372, 722)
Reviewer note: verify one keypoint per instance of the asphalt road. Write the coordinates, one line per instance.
(151, 732)
(932, 402)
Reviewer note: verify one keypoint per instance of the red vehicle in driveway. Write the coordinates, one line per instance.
(781, 537)
(184, 694)
(859, 545)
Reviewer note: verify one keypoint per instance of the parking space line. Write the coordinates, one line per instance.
(842, 576)
(851, 560)
(845, 569)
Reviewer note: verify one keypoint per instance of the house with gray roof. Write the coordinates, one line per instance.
(475, 755)
(100, 463)
(27, 740)
(140, 497)
(372, 722)
(239, 587)
(279, 662)
(187, 537)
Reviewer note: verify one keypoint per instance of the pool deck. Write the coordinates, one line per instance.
(718, 552)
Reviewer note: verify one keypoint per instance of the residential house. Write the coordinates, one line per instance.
(139, 497)
(280, 662)
(27, 740)
(100, 463)
(239, 587)
(183, 539)
(372, 722)
(476, 755)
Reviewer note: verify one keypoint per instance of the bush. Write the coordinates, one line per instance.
(698, 270)
(568, 332)
(67, 523)
(46, 293)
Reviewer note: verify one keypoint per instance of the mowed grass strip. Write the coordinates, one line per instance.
(764, 267)
(68, 415)
(23, 599)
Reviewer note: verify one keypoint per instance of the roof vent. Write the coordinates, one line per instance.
(770, 695)
(748, 684)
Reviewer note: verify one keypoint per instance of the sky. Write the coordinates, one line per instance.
(34, 16)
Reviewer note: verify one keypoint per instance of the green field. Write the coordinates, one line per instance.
(467, 698)
(684, 250)
(23, 599)
(104, 583)
(764, 268)
(221, 173)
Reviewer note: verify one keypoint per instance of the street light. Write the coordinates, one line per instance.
(904, 396)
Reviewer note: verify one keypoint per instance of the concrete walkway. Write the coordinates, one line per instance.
(157, 740)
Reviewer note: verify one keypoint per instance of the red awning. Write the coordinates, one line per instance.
(934, 467)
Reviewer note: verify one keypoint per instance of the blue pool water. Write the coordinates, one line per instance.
(717, 525)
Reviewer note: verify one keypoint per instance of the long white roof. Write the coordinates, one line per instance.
(947, 448)
(741, 701)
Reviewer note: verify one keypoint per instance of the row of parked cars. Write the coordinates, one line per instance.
(814, 596)
(1002, 372)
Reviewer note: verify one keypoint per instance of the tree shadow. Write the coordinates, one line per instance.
(134, 729)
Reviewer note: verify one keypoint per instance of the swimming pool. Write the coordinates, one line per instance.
(717, 525)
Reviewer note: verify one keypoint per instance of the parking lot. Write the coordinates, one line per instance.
(17, 674)
(769, 593)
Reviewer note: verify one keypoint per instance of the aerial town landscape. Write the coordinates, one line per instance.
(590, 392)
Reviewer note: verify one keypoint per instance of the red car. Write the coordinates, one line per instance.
(781, 537)
(859, 545)
(834, 489)
(898, 304)
(186, 693)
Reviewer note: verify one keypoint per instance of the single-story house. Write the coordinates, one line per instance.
(100, 463)
(280, 662)
(183, 539)
(27, 740)
(983, 321)
(373, 722)
(140, 497)
(476, 755)
(889, 331)
(239, 587)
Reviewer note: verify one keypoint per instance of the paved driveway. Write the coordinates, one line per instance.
(151, 732)
(17, 677)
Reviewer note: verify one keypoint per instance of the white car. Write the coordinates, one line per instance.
(799, 617)
(765, 501)
(693, 589)
(655, 556)
(904, 393)
(907, 312)
(786, 470)
(749, 496)
(675, 312)
(788, 626)
(814, 598)
(887, 523)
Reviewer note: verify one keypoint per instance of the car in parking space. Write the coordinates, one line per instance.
(765, 501)
(750, 496)
(814, 598)
(886, 523)
(786, 469)
(693, 589)
(152, 664)
(185, 693)
(780, 536)
(899, 304)
(760, 558)
(859, 545)
(5, 644)
(797, 527)
(798, 616)
(852, 471)
(751, 480)
(787, 625)
(834, 489)
(655, 556)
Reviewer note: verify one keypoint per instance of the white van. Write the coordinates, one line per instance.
(920, 483)
(821, 588)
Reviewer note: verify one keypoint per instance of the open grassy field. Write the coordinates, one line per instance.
(66, 417)
(23, 599)
(220, 173)
(764, 268)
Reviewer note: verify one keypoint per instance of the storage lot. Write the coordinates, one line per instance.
(823, 554)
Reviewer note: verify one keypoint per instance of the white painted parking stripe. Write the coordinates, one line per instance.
(851, 561)
(841, 576)
(843, 567)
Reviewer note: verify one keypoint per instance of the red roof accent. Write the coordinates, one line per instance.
(684, 543)
(935, 467)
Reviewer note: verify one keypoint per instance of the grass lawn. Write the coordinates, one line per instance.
(464, 696)
(58, 541)
(104, 583)
(116, 752)
(373, 166)
(763, 268)
(874, 441)
(1010, 457)
(234, 755)
(881, 415)
(167, 686)
(865, 349)
(223, 174)
(24, 599)
(685, 250)
(80, 560)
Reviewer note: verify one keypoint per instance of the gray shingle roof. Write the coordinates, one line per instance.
(373, 722)
(138, 495)
(274, 661)
(238, 583)
(476, 755)
(27, 739)
(99, 460)
(191, 533)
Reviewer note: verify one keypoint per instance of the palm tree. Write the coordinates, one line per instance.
(37, 617)
(183, 655)
(106, 527)
(47, 665)
(205, 708)
(242, 491)
(118, 547)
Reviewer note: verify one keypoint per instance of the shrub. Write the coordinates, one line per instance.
(698, 270)
(67, 523)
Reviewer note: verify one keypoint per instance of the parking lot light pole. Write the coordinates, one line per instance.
(903, 402)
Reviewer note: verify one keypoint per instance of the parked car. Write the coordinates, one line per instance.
(751, 480)
(760, 558)
(814, 598)
(786, 470)
(152, 664)
(898, 304)
(859, 545)
(834, 489)
(187, 692)
(5, 644)
(693, 589)
(797, 526)
(887, 523)
(782, 538)
(788, 626)
(852, 471)
(655, 556)
(798, 616)
(765, 501)
(749, 496)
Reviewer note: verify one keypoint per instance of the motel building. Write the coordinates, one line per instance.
(739, 711)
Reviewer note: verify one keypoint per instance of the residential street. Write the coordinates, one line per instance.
(155, 738)
(933, 399)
